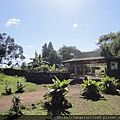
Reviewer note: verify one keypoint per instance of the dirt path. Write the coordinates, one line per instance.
(33, 97)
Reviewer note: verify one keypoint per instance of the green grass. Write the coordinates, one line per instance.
(12, 82)
(109, 105)
(32, 109)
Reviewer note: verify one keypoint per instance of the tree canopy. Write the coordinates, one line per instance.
(110, 44)
(49, 54)
(10, 53)
(67, 52)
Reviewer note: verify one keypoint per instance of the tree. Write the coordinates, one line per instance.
(45, 53)
(67, 52)
(54, 57)
(10, 53)
(110, 44)
(50, 46)
(23, 65)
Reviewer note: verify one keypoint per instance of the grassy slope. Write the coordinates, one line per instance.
(12, 82)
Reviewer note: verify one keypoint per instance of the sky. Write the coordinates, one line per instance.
(80, 23)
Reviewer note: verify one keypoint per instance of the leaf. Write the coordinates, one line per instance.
(57, 79)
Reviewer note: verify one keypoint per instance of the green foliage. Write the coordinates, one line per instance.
(8, 90)
(67, 52)
(110, 44)
(53, 67)
(109, 85)
(23, 65)
(43, 68)
(20, 87)
(16, 107)
(118, 85)
(47, 68)
(91, 89)
(50, 55)
(56, 102)
(12, 80)
(10, 53)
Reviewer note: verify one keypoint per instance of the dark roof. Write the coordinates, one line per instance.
(87, 55)
(84, 56)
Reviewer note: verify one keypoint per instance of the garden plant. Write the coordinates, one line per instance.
(15, 110)
(8, 90)
(109, 85)
(20, 87)
(56, 103)
(91, 89)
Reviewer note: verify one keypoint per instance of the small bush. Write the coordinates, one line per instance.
(109, 85)
(20, 87)
(56, 102)
(16, 107)
(8, 90)
(91, 89)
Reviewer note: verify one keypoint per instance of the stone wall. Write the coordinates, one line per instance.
(45, 78)
(37, 77)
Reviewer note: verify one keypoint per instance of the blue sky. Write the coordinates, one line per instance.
(77, 23)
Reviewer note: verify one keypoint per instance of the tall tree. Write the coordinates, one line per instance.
(10, 53)
(67, 52)
(45, 53)
(110, 44)
(50, 55)
(54, 57)
(50, 46)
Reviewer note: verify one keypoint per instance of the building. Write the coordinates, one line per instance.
(113, 63)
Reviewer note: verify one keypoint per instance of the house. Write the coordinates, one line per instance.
(113, 63)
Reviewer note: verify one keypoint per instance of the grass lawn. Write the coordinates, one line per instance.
(109, 105)
(12, 82)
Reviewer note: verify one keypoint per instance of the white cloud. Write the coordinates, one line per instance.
(75, 25)
(31, 46)
(86, 25)
(13, 21)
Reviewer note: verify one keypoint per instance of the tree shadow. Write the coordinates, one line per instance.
(92, 97)
(53, 110)
(12, 117)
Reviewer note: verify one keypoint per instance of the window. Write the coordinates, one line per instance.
(114, 65)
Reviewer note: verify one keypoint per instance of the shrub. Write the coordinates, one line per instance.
(109, 85)
(16, 107)
(56, 102)
(118, 86)
(20, 87)
(8, 90)
(91, 89)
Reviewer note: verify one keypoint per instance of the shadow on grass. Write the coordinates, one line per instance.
(57, 110)
(12, 117)
(4, 94)
(92, 97)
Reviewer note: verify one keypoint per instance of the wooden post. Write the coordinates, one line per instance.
(76, 70)
(83, 69)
